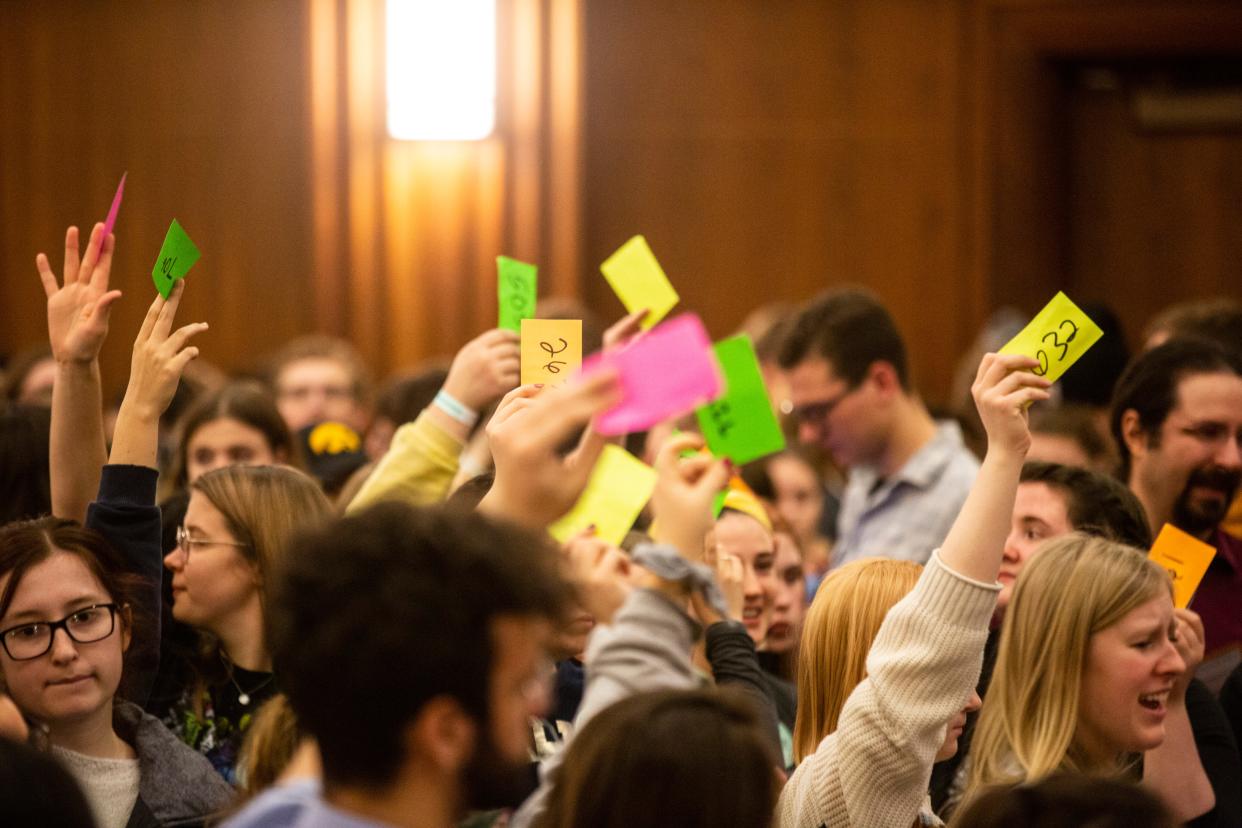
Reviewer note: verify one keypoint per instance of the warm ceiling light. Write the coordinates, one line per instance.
(441, 69)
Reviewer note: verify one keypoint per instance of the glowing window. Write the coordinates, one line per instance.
(441, 72)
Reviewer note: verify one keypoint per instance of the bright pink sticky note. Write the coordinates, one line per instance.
(110, 221)
(667, 372)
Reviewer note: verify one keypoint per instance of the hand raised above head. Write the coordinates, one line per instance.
(160, 355)
(601, 573)
(535, 485)
(78, 310)
(1004, 388)
(684, 491)
(486, 367)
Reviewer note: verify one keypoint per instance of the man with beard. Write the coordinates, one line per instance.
(412, 646)
(1177, 421)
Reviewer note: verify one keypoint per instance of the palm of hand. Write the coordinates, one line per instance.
(75, 331)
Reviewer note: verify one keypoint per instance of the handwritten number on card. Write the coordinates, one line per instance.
(1056, 343)
(554, 365)
(722, 416)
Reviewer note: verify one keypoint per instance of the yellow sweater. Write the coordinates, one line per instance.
(874, 769)
(417, 469)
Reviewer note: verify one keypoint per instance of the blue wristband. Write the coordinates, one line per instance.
(447, 403)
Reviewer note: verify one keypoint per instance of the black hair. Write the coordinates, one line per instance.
(1095, 503)
(36, 790)
(381, 612)
(1149, 386)
(25, 479)
(850, 329)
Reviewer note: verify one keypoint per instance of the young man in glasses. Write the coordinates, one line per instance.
(852, 396)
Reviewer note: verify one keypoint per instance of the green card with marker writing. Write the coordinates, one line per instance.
(1057, 336)
(741, 424)
(517, 288)
(177, 255)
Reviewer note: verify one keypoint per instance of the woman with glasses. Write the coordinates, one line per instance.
(237, 528)
(79, 607)
(68, 615)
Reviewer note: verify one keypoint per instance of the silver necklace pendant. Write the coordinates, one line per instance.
(243, 699)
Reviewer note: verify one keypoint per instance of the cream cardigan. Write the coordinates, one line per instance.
(874, 769)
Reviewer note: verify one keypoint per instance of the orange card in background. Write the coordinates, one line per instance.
(1185, 557)
(551, 350)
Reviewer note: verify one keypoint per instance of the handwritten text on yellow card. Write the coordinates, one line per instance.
(619, 488)
(1185, 557)
(639, 281)
(1057, 336)
(551, 350)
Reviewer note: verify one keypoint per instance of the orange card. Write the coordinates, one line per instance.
(1185, 557)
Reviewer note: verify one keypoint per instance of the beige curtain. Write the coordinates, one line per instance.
(405, 234)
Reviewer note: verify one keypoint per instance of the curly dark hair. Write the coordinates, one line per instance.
(380, 612)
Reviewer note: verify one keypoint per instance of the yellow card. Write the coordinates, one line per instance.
(1057, 336)
(619, 488)
(1185, 557)
(551, 350)
(639, 281)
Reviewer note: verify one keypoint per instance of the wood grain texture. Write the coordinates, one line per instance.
(205, 105)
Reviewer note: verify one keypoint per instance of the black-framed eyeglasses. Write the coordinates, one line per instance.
(85, 626)
(817, 412)
(184, 542)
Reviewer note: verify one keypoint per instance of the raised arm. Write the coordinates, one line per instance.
(924, 662)
(420, 464)
(125, 510)
(160, 356)
(77, 324)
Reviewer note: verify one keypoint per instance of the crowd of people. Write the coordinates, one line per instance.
(289, 599)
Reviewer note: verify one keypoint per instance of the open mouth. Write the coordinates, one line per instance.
(751, 616)
(1154, 702)
(779, 631)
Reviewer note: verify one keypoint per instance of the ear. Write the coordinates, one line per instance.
(442, 734)
(1133, 434)
(883, 376)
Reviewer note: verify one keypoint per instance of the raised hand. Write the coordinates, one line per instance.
(623, 330)
(78, 310)
(601, 573)
(729, 577)
(684, 491)
(1190, 645)
(486, 367)
(1004, 388)
(534, 484)
(160, 355)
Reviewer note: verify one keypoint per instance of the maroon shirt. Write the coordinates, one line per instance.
(1219, 597)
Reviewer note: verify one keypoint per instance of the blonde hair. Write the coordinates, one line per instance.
(1075, 587)
(842, 622)
(270, 742)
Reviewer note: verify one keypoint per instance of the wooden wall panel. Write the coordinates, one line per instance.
(205, 104)
(769, 150)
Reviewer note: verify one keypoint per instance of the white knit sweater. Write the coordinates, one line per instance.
(874, 769)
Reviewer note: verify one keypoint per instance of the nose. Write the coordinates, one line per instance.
(63, 649)
(1172, 664)
(973, 703)
(174, 561)
(750, 583)
(1229, 454)
(807, 433)
(1010, 552)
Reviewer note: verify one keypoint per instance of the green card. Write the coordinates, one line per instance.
(517, 287)
(1057, 336)
(741, 424)
(177, 255)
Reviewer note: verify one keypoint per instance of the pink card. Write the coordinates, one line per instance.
(110, 221)
(667, 372)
